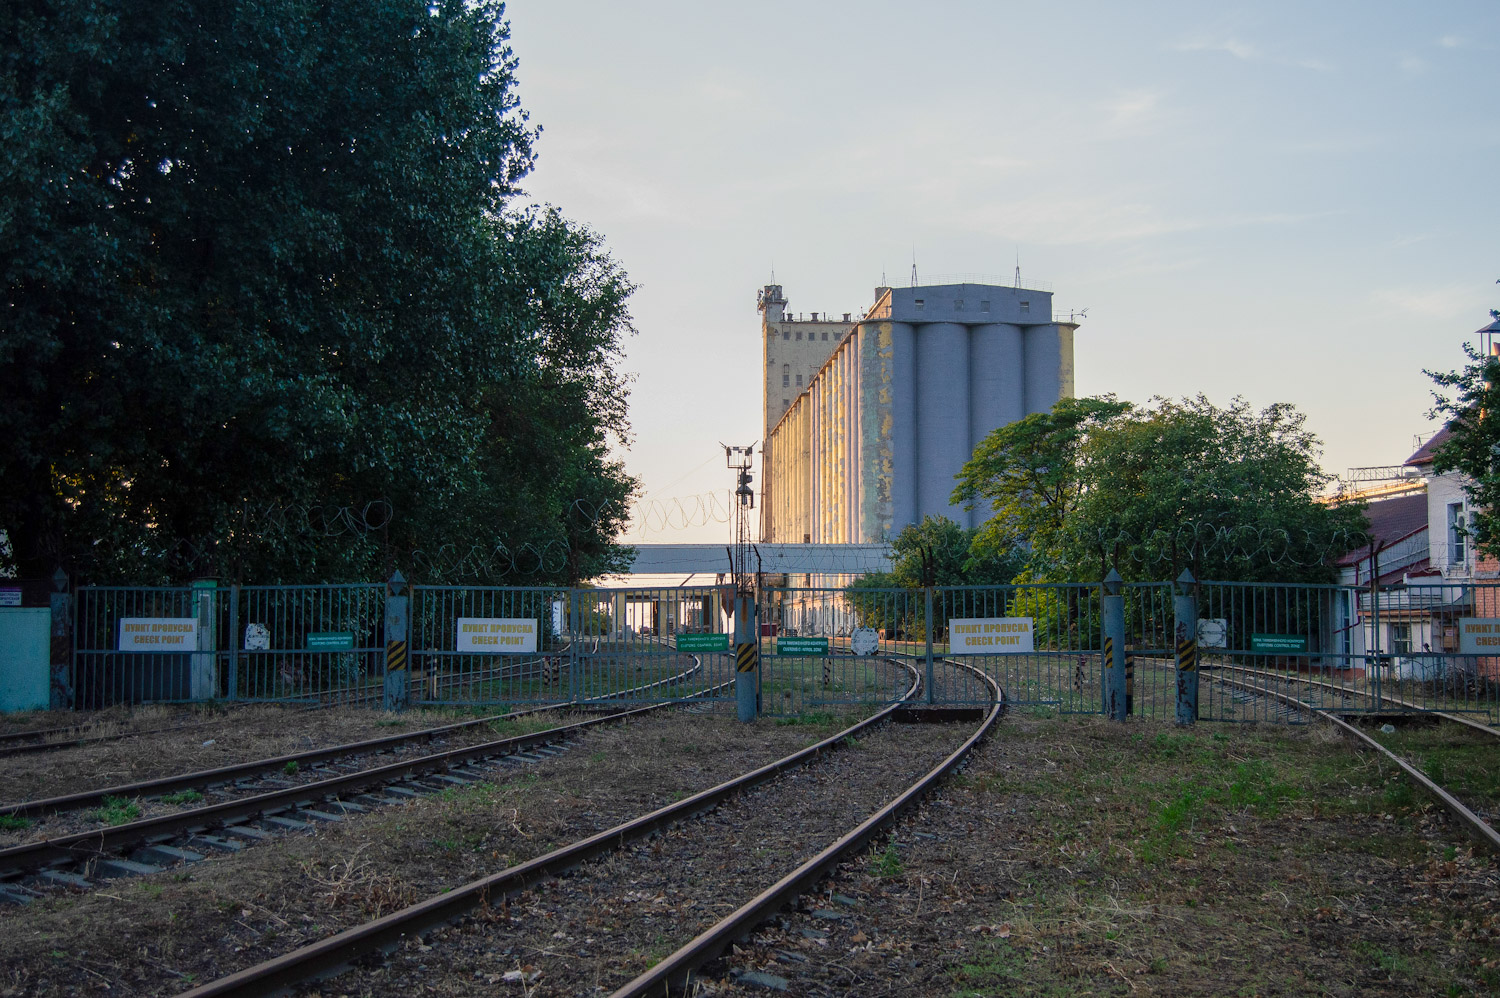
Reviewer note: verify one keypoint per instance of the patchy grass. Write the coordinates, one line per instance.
(1077, 856)
(117, 811)
(182, 797)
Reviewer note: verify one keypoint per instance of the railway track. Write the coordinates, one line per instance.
(1474, 825)
(369, 694)
(151, 844)
(256, 800)
(710, 855)
(1350, 693)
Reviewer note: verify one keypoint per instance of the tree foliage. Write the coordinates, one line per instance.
(1469, 400)
(935, 552)
(1229, 493)
(263, 268)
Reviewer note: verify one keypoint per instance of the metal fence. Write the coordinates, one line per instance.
(1411, 647)
(272, 643)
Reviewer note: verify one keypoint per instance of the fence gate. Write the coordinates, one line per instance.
(489, 645)
(651, 643)
(1348, 649)
(250, 643)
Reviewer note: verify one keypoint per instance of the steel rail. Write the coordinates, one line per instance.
(97, 842)
(327, 955)
(228, 774)
(1457, 718)
(17, 860)
(1476, 826)
(675, 969)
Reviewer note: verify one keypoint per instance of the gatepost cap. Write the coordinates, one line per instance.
(397, 581)
(1185, 581)
(1112, 582)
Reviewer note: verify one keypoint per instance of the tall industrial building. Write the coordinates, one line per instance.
(865, 430)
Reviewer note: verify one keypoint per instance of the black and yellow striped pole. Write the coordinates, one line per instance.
(1185, 630)
(1115, 705)
(746, 658)
(397, 630)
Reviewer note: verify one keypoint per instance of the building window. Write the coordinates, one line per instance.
(984, 306)
(825, 334)
(1026, 306)
(920, 302)
(785, 403)
(1458, 539)
(958, 304)
(799, 381)
(1400, 639)
(786, 375)
(786, 334)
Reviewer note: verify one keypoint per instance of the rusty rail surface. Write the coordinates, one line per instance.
(328, 955)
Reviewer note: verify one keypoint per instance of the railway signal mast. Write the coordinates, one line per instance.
(746, 643)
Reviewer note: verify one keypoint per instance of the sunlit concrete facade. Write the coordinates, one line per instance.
(873, 442)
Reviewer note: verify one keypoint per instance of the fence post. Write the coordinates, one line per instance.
(746, 656)
(397, 631)
(927, 631)
(575, 635)
(235, 640)
(1185, 612)
(62, 642)
(1114, 647)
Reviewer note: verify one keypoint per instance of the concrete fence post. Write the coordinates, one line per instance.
(1114, 647)
(397, 634)
(61, 603)
(1185, 630)
(746, 657)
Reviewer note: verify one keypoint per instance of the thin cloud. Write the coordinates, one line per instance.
(1134, 108)
(1248, 52)
(1449, 302)
(1240, 50)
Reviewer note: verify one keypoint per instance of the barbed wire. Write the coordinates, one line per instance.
(1205, 541)
(326, 520)
(649, 516)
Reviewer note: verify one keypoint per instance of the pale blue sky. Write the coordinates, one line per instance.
(1289, 202)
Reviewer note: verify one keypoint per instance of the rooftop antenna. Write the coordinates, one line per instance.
(913, 266)
(1018, 266)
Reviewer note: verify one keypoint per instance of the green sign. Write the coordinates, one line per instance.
(330, 641)
(1278, 644)
(702, 642)
(802, 646)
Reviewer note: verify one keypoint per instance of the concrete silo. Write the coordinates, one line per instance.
(898, 406)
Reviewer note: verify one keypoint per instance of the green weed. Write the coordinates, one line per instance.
(291, 768)
(886, 864)
(182, 797)
(117, 811)
(13, 822)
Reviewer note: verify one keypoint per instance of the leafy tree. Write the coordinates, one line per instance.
(262, 269)
(1229, 493)
(936, 552)
(1030, 473)
(1470, 398)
